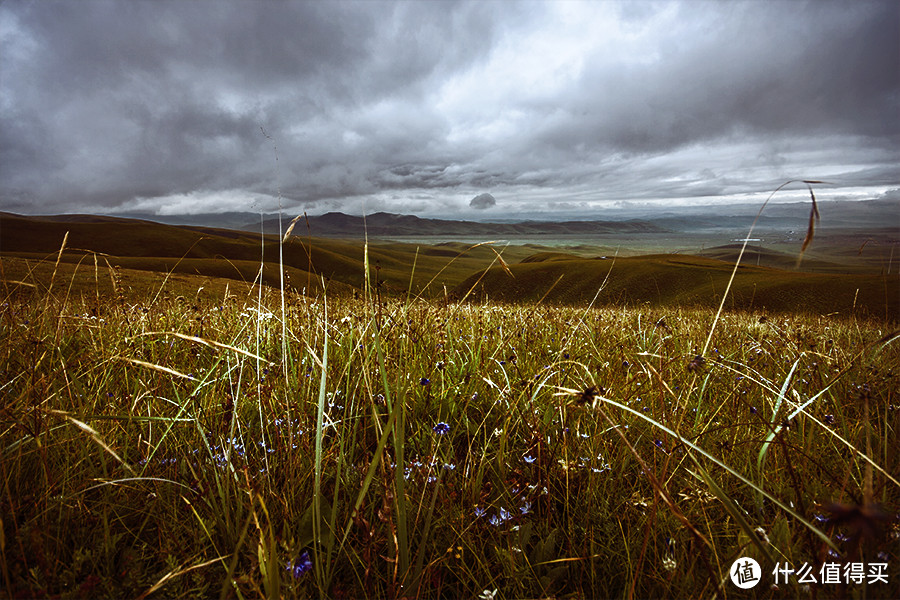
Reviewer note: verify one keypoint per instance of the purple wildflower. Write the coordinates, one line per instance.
(301, 566)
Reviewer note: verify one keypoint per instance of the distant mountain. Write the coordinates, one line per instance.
(697, 217)
(336, 224)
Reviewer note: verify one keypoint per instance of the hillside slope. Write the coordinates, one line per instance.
(150, 246)
(679, 280)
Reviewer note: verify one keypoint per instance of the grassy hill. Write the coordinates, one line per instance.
(154, 247)
(679, 280)
(534, 272)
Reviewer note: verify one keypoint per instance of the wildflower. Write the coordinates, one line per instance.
(500, 518)
(441, 428)
(669, 564)
(529, 459)
(829, 419)
(488, 594)
(301, 566)
(424, 381)
(479, 512)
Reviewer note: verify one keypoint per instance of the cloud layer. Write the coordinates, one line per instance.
(417, 107)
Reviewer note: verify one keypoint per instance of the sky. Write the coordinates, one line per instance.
(465, 109)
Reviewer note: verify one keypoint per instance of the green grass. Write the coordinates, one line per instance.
(219, 253)
(674, 280)
(180, 443)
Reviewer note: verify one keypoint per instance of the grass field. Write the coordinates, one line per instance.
(168, 433)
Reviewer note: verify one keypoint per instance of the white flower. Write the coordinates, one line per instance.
(669, 564)
(762, 534)
(488, 594)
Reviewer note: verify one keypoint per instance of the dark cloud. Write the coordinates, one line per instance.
(483, 201)
(112, 106)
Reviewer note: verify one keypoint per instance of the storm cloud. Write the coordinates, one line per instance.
(483, 201)
(170, 107)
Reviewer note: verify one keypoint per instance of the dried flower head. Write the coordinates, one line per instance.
(588, 395)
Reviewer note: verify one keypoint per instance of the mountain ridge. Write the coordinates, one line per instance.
(384, 224)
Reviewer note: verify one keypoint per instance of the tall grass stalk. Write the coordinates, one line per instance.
(813, 218)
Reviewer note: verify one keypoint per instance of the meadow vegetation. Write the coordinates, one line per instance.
(159, 440)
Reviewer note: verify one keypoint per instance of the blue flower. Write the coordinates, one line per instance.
(529, 459)
(301, 566)
(424, 381)
(441, 428)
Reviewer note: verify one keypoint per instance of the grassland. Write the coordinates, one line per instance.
(674, 280)
(176, 434)
(838, 278)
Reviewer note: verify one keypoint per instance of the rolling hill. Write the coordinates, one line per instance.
(149, 246)
(531, 273)
(681, 280)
